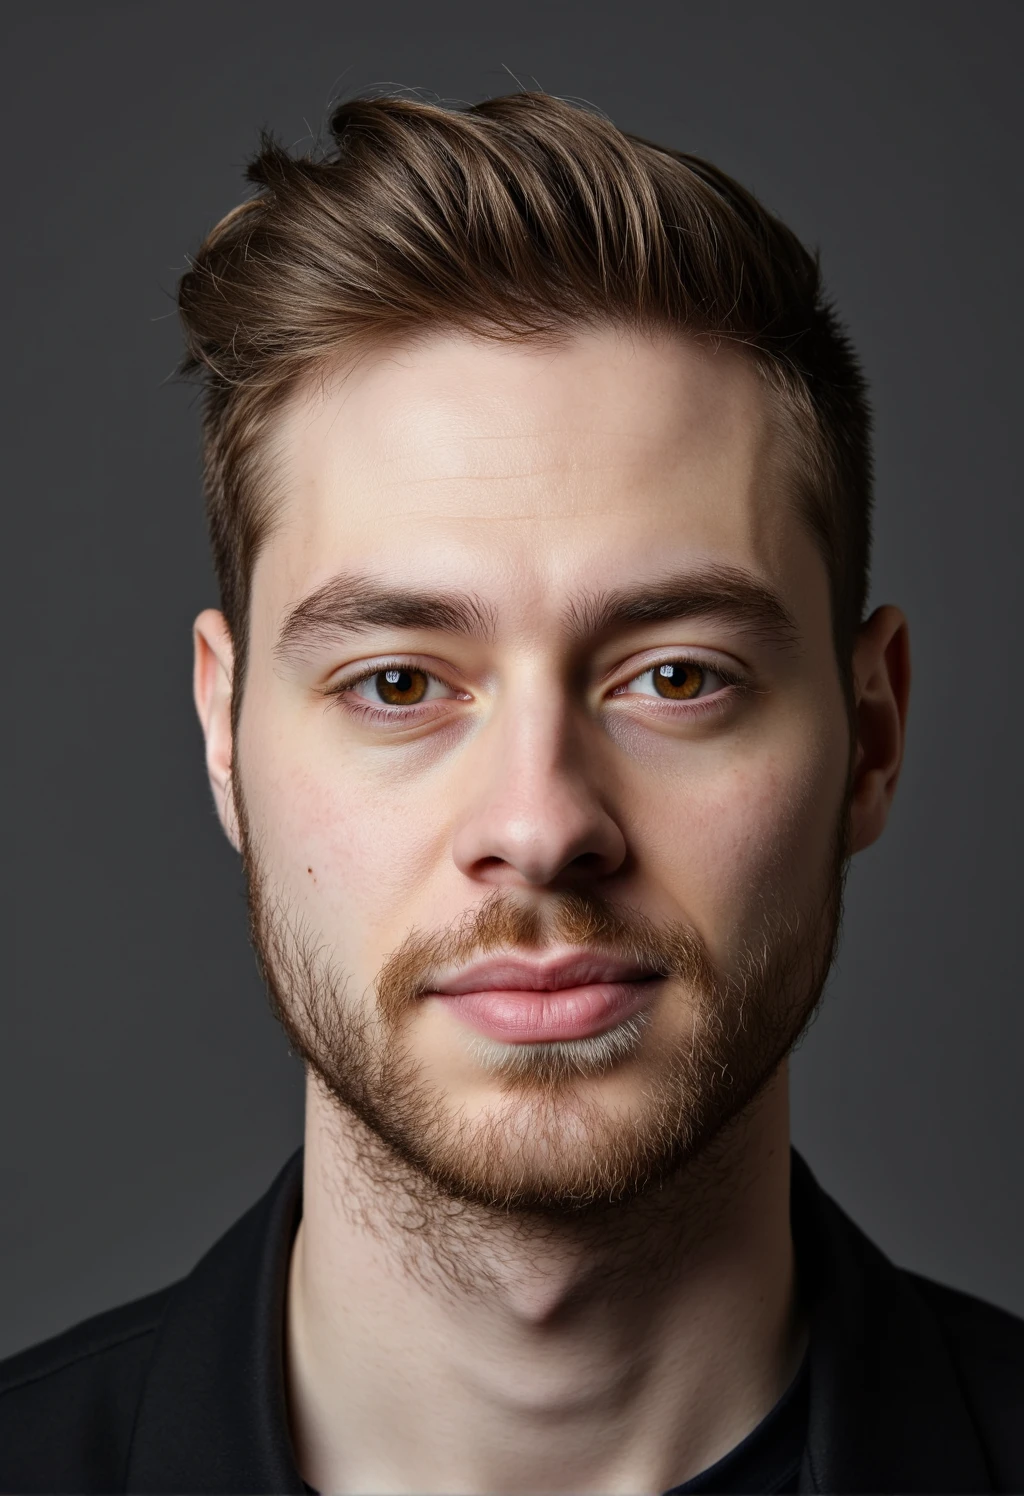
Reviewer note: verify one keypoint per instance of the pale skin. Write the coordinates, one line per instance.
(542, 759)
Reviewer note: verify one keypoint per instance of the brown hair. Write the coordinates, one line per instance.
(521, 217)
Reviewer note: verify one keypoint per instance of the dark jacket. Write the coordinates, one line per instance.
(913, 1387)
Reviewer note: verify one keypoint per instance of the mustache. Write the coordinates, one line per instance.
(504, 923)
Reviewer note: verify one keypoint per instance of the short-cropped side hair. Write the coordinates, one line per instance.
(523, 217)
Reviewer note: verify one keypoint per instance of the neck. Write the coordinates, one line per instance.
(446, 1348)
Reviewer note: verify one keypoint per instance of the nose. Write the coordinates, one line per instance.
(536, 815)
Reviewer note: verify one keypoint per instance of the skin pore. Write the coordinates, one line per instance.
(539, 631)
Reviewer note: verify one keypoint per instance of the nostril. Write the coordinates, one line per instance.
(540, 843)
(588, 862)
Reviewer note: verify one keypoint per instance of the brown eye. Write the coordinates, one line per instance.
(398, 687)
(678, 681)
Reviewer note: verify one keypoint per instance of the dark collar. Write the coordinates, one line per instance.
(886, 1410)
(212, 1416)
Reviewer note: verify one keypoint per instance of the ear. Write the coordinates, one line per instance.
(212, 677)
(881, 687)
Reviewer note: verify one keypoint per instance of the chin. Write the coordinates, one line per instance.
(548, 1132)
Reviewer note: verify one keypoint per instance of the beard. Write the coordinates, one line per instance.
(553, 1140)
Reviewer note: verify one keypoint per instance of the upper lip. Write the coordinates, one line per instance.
(544, 974)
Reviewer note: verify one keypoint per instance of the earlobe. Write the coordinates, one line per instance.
(881, 685)
(212, 679)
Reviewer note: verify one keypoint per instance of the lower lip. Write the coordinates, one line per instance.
(544, 1017)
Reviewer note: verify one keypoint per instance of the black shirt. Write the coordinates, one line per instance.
(909, 1386)
(768, 1459)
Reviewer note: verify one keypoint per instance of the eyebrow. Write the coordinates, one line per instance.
(727, 593)
(350, 604)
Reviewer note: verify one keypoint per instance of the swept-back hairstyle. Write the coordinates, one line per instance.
(523, 217)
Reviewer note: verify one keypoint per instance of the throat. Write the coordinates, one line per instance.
(623, 1351)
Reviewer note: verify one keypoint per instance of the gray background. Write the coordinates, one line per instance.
(145, 1094)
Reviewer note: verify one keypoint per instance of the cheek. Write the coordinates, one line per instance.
(723, 843)
(344, 849)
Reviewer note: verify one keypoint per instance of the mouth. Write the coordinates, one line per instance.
(574, 996)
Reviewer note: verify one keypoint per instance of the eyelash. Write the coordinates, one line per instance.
(733, 685)
(344, 691)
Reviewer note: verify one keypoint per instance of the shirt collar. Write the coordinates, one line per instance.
(212, 1417)
(886, 1409)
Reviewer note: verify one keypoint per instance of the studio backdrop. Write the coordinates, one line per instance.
(146, 1094)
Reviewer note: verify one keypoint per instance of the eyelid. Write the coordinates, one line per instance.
(366, 670)
(723, 665)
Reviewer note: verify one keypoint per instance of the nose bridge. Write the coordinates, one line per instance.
(537, 734)
(535, 806)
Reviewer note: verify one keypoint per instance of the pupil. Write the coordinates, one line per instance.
(678, 681)
(401, 687)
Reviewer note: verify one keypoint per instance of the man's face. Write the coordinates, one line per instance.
(542, 755)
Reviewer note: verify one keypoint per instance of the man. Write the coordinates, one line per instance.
(544, 713)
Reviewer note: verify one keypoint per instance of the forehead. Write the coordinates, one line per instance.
(529, 469)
